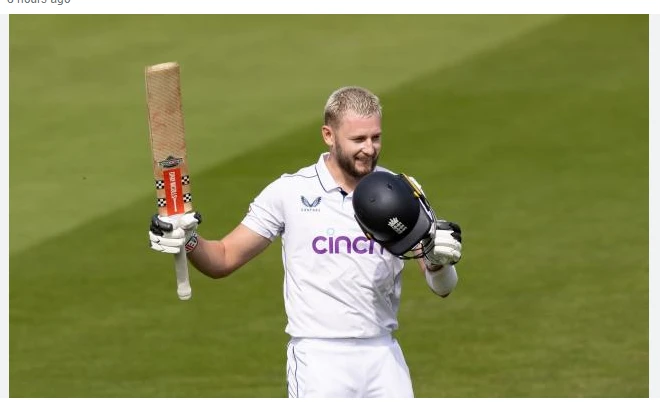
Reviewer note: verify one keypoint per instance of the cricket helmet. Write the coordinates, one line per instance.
(393, 211)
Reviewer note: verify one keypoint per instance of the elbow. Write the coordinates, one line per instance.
(218, 274)
(219, 271)
(442, 293)
(215, 273)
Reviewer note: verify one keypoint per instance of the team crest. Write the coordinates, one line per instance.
(397, 225)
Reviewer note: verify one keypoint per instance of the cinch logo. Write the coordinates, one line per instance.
(343, 244)
(310, 206)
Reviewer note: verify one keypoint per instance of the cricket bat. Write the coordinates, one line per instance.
(168, 146)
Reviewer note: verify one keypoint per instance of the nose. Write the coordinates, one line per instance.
(368, 147)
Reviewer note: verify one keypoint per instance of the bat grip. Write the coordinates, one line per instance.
(183, 289)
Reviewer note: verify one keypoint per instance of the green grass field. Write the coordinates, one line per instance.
(531, 131)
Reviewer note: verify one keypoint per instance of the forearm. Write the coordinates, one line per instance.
(209, 258)
(442, 281)
(219, 258)
(422, 264)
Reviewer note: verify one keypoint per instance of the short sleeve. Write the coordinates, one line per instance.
(266, 215)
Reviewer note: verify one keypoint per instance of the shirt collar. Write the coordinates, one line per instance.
(327, 181)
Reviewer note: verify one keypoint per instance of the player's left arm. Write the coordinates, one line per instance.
(442, 251)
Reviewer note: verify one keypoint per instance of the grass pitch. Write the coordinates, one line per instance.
(531, 131)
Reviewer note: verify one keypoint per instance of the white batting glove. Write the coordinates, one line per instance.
(444, 246)
(169, 234)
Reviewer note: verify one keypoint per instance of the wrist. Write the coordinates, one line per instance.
(432, 267)
(192, 242)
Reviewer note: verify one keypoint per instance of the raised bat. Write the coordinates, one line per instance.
(168, 146)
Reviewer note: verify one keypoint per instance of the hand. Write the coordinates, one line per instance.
(169, 234)
(444, 245)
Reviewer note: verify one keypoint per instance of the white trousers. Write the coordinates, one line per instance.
(347, 368)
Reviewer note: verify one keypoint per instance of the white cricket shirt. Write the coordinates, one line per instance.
(337, 283)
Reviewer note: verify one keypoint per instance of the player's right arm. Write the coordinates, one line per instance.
(219, 258)
(213, 258)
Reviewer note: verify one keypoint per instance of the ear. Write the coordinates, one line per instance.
(328, 135)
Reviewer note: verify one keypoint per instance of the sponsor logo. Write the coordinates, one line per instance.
(397, 225)
(312, 206)
(173, 194)
(342, 244)
(170, 162)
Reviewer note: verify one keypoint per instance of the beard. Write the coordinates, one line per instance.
(349, 163)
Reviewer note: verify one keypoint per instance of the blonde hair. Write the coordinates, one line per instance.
(354, 99)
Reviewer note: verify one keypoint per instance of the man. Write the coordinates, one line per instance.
(341, 289)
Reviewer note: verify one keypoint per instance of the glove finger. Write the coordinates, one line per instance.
(189, 221)
(167, 241)
(165, 249)
(438, 259)
(446, 238)
(455, 227)
(449, 250)
(177, 233)
(172, 242)
(457, 236)
(456, 258)
(158, 226)
(443, 225)
(448, 226)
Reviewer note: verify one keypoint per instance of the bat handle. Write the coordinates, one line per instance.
(182, 279)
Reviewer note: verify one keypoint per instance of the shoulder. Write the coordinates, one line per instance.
(296, 178)
(305, 172)
(288, 181)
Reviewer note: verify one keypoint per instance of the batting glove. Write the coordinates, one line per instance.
(444, 246)
(169, 234)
